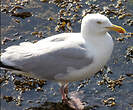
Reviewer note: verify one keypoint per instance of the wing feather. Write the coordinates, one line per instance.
(46, 61)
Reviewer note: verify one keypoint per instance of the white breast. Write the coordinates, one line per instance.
(101, 49)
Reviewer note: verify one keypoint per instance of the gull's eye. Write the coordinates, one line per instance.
(99, 22)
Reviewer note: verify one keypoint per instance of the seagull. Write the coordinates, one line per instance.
(65, 57)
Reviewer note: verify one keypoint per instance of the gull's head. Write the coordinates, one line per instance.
(96, 24)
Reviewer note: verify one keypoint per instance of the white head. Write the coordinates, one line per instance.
(97, 24)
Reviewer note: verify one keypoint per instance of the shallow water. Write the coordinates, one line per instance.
(93, 94)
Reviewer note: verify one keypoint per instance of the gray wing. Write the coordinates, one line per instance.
(48, 62)
(52, 63)
(48, 65)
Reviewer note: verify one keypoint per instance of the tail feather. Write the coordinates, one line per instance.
(8, 67)
(17, 71)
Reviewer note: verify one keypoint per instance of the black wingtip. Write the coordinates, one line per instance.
(1, 64)
(8, 67)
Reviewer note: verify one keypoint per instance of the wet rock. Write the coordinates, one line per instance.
(39, 34)
(124, 15)
(43, 0)
(120, 39)
(129, 54)
(18, 101)
(29, 101)
(109, 70)
(2, 79)
(50, 18)
(17, 82)
(38, 101)
(38, 89)
(27, 85)
(22, 15)
(129, 22)
(16, 34)
(5, 40)
(64, 24)
(15, 8)
(8, 98)
(94, 107)
(4, 10)
(17, 21)
(109, 102)
(111, 83)
(129, 75)
(51, 106)
(125, 36)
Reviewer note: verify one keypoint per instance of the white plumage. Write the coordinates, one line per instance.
(68, 56)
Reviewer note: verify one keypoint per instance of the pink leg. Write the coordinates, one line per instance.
(66, 89)
(64, 92)
(74, 103)
(64, 98)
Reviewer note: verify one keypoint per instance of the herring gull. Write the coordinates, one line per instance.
(65, 57)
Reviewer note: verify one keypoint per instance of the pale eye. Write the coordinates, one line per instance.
(99, 22)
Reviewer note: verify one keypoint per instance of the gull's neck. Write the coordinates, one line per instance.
(99, 44)
(95, 39)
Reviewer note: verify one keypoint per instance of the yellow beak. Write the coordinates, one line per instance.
(117, 29)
